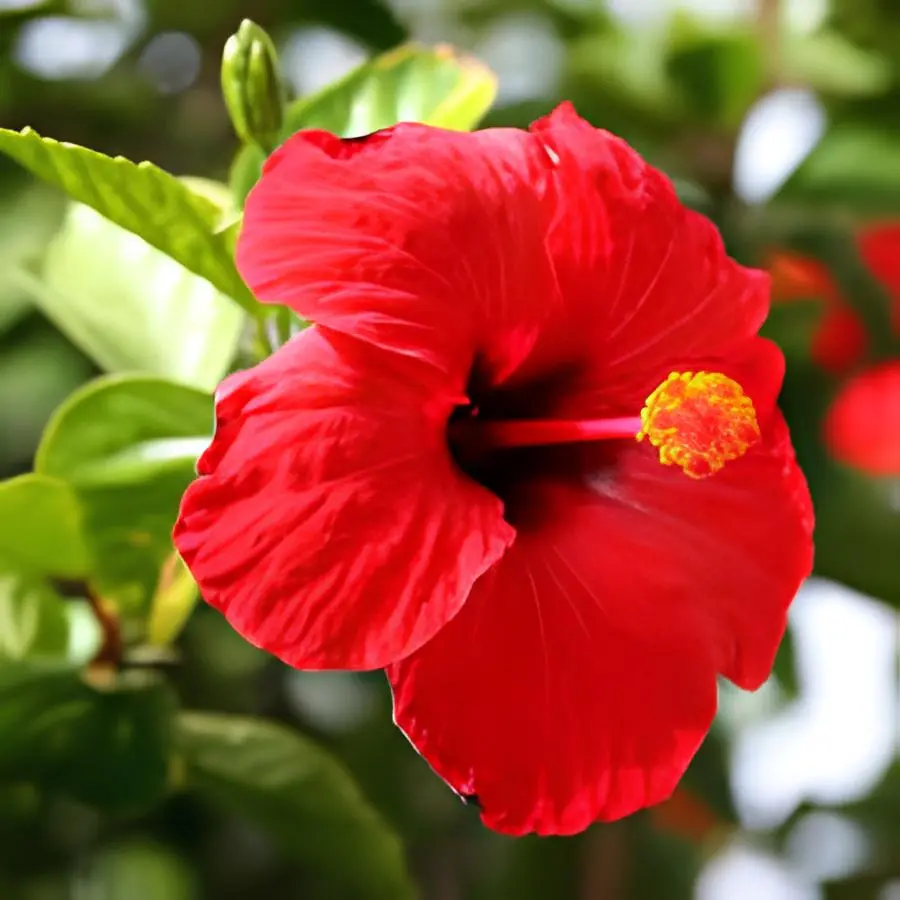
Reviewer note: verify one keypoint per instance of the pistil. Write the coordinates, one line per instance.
(697, 421)
(505, 433)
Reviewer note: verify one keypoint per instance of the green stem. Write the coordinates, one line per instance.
(260, 345)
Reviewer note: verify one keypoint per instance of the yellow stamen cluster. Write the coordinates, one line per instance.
(699, 421)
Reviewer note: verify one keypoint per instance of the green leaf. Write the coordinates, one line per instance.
(138, 869)
(33, 621)
(132, 308)
(41, 631)
(128, 445)
(121, 429)
(14, 304)
(117, 758)
(245, 171)
(216, 192)
(41, 527)
(108, 748)
(27, 222)
(37, 708)
(826, 61)
(142, 199)
(298, 794)
(622, 75)
(30, 218)
(854, 167)
(718, 75)
(409, 84)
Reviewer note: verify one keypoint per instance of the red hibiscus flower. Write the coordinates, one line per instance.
(442, 477)
(862, 428)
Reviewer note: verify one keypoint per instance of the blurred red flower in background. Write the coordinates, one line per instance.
(441, 477)
(862, 428)
(840, 340)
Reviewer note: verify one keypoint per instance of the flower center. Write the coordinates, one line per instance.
(698, 421)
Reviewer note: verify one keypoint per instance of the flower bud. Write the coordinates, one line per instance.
(252, 85)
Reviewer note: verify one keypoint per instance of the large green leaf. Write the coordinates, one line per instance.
(117, 757)
(131, 307)
(297, 793)
(854, 166)
(409, 84)
(167, 213)
(41, 527)
(619, 77)
(33, 621)
(718, 75)
(30, 218)
(141, 870)
(35, 705)
(826, 61)
(245, 171)
(39, 630)
(27, 222)
(128, 446)
(120, 429)
(108, 748)
(433, 85)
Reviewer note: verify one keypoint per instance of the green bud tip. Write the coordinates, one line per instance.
(252, 86)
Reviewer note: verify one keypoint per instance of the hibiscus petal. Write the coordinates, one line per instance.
(757, 365)
(532, 700)
(579, 678)
(652, 276)
(732, 549)
(426, 242)
(863, 425)
(329, 524)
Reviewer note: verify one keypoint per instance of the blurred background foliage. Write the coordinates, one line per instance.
(777, 118)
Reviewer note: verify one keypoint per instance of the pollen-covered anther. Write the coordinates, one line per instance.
(699, 421)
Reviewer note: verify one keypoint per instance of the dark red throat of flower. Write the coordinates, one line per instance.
(698, 421)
